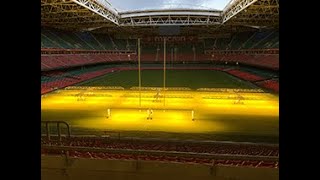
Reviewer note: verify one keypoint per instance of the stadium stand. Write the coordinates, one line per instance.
(244, 75)
(244, 40)
(265, 82)
(56, 61)
(159, 146)
(53, 38)
(82, 40)
(55, 80)
(213, 148)
(269, 84)
(258, 60)
(165, 158)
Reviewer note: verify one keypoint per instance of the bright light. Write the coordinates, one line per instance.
(122, 108)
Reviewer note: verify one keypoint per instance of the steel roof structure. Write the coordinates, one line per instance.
(99, 16)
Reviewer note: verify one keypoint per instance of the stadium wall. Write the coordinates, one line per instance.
(59, 167)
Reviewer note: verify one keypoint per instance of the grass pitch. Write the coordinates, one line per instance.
(193, 79)
(220, 115)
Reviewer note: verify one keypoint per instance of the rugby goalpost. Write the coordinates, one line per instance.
(157, 96)
(164, 71)
(150, 111)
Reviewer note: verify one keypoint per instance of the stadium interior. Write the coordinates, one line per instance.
(168, 93)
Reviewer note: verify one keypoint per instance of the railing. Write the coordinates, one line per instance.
(57, 123)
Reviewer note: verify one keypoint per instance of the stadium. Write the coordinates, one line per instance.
(164, 91)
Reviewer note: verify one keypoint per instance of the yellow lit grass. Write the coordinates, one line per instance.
(126, 113)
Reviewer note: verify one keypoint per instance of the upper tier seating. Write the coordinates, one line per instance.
(52, 38)
(244, 40)
(83, 40)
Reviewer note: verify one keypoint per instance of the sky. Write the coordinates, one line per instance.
(127, 5)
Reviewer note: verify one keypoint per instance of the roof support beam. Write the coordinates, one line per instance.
(235, 8)
(170, 20)
(98, 9)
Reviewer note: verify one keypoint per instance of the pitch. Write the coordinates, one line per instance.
(241, 114)
(193, 79)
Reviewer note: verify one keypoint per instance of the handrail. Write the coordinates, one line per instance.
(47, 123)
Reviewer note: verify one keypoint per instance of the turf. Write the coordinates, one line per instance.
(174, 78)
(243, 128)
(238, 125)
